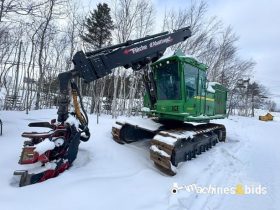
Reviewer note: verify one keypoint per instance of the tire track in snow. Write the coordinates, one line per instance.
(227, 168)
(219, 172)
(230, 166)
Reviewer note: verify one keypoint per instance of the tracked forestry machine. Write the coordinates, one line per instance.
(179, 103)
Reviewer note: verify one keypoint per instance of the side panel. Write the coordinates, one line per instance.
(201, 100)
(195, 97)
(220, 102)
(210, 104)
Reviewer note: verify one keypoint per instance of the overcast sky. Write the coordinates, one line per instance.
(257, 23)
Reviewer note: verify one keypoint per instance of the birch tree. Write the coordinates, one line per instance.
(48, 14)
(133, 19)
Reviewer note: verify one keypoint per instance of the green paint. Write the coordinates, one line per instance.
(182, 92)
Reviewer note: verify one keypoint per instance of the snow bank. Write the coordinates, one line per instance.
(166, 139)
(195, 123)
(145, 123)
(72, 121)
(44, 146)
(58, 142)
(107, 171)
(210, 89)
(161, 152)
(145, 109)
(193, 57)
(168, 53)
(171, 138)
(211, 85)
(214, 83)
(115, 125)
(173, 168)
(180, 135)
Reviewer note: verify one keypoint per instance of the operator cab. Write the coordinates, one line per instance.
(181, 89)
(168, 81)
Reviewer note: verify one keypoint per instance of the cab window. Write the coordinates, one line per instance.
(191, 75)
(168, 81)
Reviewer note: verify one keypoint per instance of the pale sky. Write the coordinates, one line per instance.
(257, 24)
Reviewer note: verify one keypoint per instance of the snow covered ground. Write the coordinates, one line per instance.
(107, 175)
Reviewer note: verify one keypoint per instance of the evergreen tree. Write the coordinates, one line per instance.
(99, 25)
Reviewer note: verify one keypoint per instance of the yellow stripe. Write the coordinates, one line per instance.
(203, 97)
(77, 107)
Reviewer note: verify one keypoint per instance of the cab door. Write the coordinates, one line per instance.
(201, 96)
(191, 79)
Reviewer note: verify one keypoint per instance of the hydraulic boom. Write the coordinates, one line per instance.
(56, 149)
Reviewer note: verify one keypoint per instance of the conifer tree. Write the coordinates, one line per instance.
(98, 27)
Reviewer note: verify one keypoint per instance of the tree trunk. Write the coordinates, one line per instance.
(42, 43)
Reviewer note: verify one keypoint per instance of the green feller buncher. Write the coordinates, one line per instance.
(179, 101)
(180, 104)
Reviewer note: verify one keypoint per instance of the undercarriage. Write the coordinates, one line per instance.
(173, 142)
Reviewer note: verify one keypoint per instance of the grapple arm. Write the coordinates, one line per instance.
(63, 140)
(135, 54)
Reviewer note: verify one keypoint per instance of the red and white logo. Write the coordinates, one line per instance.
(161, 41)
(135, 49)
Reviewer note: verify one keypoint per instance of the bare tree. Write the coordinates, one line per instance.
(22, 8)
(47, 16)
(212, 44)
(133, 19)
(271, 106)
(50, 35)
